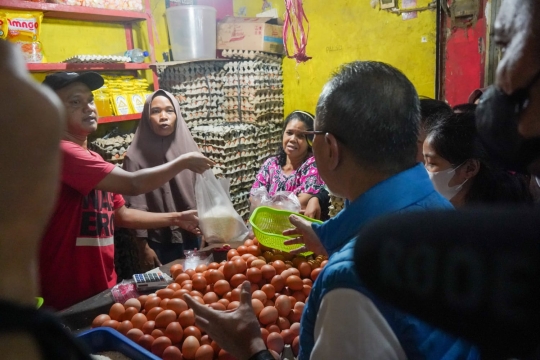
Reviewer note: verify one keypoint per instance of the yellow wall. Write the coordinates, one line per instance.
(346, 30)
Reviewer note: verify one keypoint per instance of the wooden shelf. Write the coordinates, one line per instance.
(87, 67)
(84, 13)
(112, 119)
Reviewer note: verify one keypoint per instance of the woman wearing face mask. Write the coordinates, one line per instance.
(293, 168)
(462, 172)
(162, 135)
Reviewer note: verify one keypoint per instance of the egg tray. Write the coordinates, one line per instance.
(252, 55)
(268, 225)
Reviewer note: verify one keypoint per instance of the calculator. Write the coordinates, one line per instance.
(150, 281)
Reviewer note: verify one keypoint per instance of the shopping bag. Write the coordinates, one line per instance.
(218, 221)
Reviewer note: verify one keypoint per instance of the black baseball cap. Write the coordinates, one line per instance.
(62, 79)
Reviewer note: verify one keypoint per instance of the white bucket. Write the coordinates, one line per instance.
(192, 32)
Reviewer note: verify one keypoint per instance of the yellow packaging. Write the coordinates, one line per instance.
(137, 102)
(3, 25)
(120, 103)
(24, 27)
(103, 103)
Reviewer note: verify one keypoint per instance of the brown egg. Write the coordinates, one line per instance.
(215, 275)
(201, 268)
(111, 323)
(100, 319)
(116, 311)
(286, 273)
(198, 299)
(283, 323)
(172, 353)
(294, 283)
(148, 327)
(268, 315)
(288, 336)
(175, 273)
(323, 263)
(186, 282)
(158, 333)
(273, 328)
(264, 334)
(138, 320)
(177, 305)
(133, 303)
(218, 306)
(205, 340)
(199, 283)
(279, 266)
(224, 355)
(233, 305)
(142, 299)
(225, 302)
(257, 306)
(254, 274)
(315, 273)
(160, 344)
(242, 250)
(293, 300)
(192, 331)
(229, 270)
(164, 318)
(124, 327)
(269, 303)
(205, 352)
(174, 332)
(283, 305)
(222, 287)
(305, 269)
(240, 265)
(306, 289)
(248, 242)
(295, 328)
(179, 294)
(175, 267)
(269, 290)
(190, 272)
(187, 318)
(134, 334)
(259, 294)
(246, 257)
(268, 272)
(254, 250)
(174, 286)
(216, 347)
(163, 303)
(294, 316)
(146, 341)
(151, 303)
(165, 293)
(231, 253)
(237, 280)
(250, 260)
(227, 296)
(153, 313)
(278, 283)
(213, 266)
(275, 342)
(188, 287)
(299, 296)
(258, 263)
(181, 278)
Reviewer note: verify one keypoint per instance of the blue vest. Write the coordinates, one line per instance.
(409, 190)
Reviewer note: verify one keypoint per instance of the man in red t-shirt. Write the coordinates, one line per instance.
(77, 251)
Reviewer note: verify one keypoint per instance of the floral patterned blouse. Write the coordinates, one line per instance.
(305, 179)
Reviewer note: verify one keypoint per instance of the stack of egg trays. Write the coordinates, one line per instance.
(234, 149)
(253, 92)
(199, 90)
(112, 148)
(252, 55)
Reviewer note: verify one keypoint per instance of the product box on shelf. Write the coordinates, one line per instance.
(250, 33)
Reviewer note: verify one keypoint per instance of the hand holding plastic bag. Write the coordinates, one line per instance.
(218, 220)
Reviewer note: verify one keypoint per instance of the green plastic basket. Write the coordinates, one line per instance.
(268, 225)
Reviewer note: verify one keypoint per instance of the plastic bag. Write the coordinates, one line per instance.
(284, 200)
(218, 220)
(195, 258)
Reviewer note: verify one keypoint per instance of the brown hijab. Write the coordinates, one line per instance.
(149, 150)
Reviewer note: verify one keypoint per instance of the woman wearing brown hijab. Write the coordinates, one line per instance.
(162, 135)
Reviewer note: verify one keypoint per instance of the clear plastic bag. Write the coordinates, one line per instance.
(218, 220)
(284, 200)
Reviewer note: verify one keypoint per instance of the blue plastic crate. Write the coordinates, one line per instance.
(107, 339)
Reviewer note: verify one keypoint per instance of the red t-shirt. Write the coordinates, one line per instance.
(77, 251)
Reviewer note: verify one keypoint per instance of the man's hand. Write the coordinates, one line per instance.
(197, 162)
(313, 208)
(236, 331)
(306, 236)
(188, 220)
(148, 259)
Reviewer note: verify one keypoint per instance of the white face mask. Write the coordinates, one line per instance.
(441, 179)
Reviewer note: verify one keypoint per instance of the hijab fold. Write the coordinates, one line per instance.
(149, 150)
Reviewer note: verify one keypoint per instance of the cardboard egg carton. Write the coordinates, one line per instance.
(112, 148)
(252, 55)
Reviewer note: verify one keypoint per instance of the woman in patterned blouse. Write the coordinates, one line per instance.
(293, 168)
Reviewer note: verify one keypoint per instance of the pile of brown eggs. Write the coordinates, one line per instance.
(164, 324)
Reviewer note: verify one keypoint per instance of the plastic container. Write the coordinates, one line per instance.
(136, 55)
(192, 32)
(107, 339)
(268, 225)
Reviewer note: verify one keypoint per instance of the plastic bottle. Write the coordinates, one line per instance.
(136, 55)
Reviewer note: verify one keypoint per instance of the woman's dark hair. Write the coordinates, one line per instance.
(303, 116)
(432, 110)
(455, 139)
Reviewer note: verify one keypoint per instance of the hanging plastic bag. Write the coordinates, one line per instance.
(284, 200)
(218, 221)
(258, 197)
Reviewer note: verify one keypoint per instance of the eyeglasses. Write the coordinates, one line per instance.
(310, 135)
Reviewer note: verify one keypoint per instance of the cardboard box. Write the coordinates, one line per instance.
(256, 33)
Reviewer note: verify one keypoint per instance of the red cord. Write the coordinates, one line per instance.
(297, 9)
